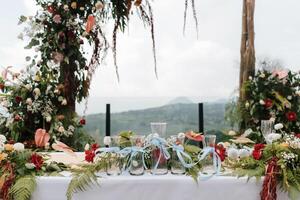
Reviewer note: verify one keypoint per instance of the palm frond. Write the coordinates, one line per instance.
(23, 188)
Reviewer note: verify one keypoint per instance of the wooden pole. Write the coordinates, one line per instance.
(247, 64)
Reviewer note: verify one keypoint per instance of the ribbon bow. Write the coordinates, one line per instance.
(182, 156)
(216, 158)
(163, 151)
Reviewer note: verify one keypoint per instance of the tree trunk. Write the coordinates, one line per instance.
(247, 65)
(70, 86)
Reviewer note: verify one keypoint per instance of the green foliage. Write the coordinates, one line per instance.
(272, 95)
(23, 188)
(85, 177)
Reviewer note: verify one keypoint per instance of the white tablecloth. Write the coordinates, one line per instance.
(150, 187)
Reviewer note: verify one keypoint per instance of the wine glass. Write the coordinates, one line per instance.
(266, 128)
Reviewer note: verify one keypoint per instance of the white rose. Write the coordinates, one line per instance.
(250, 78)
(28, 87)
(61, 129)
(29, 165)
(247, 104)
(66, 7)
(289, 97)
(232, 133)
(99, 5)
(262, 102)
(64, 102)
(29, 101)
(278, 126)
(181, 135)
(233, 153)
(243, 153)
(19, 147)
(107, 140)
(86, 147)
(262, 75)
(36, 92)
(2, 139)
(48, 118)
(273, 137)
(298, 93)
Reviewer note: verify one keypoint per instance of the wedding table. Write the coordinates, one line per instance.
(151, 187)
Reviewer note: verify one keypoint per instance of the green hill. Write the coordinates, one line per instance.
(180, 117)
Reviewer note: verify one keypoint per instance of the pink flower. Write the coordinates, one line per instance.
(281, 74)
(57, 19)
(41, 137)
(58, 57)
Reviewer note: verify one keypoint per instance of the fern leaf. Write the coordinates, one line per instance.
(23, 188)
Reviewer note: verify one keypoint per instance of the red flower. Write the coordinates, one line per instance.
(297, 135)
(18, 99)
(89, 155)
(37, 160)
(258, 147)
(95, 146)
(50, 9)
(291, 116)
(221, 151)
(2, 86)
(194, 136)
(268, 103)
(257, 154)
(17, 118)
(82, 122)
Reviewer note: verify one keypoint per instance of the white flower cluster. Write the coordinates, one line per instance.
(2, 142)
(61, 131)
(293, 141)
(234, 153)
(290, 158)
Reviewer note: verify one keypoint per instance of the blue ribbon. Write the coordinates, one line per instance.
(133, 151)
(163, 151)
(216, 158)
(182, 156)
(108, 150)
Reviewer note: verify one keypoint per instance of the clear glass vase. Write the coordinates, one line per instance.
(176, 166)
(136, 163)
(208, 162)
(159, 165)
(114, 162)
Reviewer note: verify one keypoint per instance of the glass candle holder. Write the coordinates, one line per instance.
(159, 165)
(176, 166)
(160, 128)
(114, 160)
(266, 127)
(136, 166)
(208, 163)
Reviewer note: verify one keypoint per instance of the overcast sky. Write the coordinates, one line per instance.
(206, 68)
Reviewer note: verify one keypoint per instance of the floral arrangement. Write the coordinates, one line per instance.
(31, 103)
(278, 162)
(18, 169)
(273, 95)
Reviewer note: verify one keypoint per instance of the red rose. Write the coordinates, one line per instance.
(17, 118)
(298, 135)
(268, 103)
(89, 155)
(221, 151)
(50, 9)
(18, 99)
(95, 146)
(37, 160)
(82, 122)
(258, 147)
(2, 86)
(291, 116)
(257, 154)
